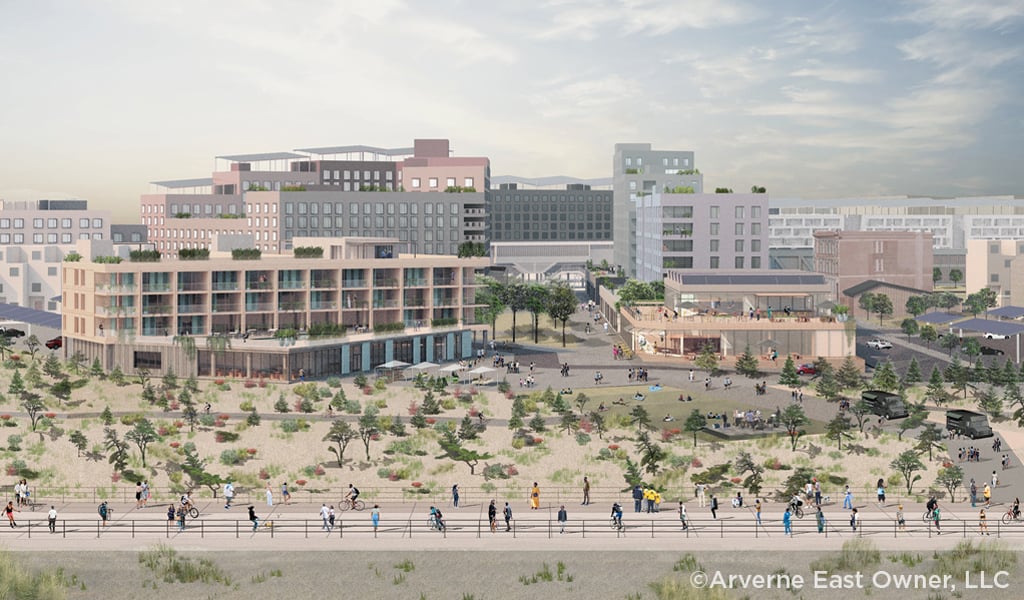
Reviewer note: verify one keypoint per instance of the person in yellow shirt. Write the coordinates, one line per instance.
(535, 497)
(657, 500)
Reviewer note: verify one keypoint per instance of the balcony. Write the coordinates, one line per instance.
(225, 286)
(116, 289)
(415, 282)
(157, 309)
(191, 309)
(324, 284)
(116, 311)
(323, 305)
(385, 282)
(257, 285)
(385, 303)
(225, 308)
(291, 285)
(192, 286)
(155, 288)
(260, 307)
(353, 283)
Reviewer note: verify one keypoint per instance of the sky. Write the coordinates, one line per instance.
(806, 98)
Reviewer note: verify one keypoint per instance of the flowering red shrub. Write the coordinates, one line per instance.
(368, 391)
(538, 440)
(5, 417)
(586, 426)
(264, 474)
(15, 357)
(162, 431)
(223, 417)
(319, 470)
(509, 395)
(218, 382)
(250, 451)
(263, 383)
(249, 383)
(431, 420)
(115, 477)
(613, 447)
(300, 482)
(179, 424)
(736, 479)
(416, 484)
(696, 464)
(512, 471)
(175, 444)
(50, 415)
(413, 407)
(666, 435)
(473, 411)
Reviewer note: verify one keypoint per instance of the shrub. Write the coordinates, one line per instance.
(333, 382)
(232, 457)
(225, 436)
(246, 254)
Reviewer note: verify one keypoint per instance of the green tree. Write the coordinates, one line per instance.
(419, 420)
(970, 347)
(32, 344)
(913, 373)
(928, 335)
(882, 306)
(490, 303)
(33, 378)
(561, 304)
(936, 274)
(789, 377)
(467, 429)
(107, 417)
(916, 305)
(748, 365)
(956, 375)
(369, 426)
(117, 448)
(453, 449)
(695, 423)
(909, 327)
(936, 390)
(794, 419)
(80, 442)
(952, 477)
(640, 418)
(916, 417)
(195, 468)
(581, 402)
(471, 249)
(651, 454)
(76, 361)
(597, 420)
(990, 402)
(907, 464)
(61, 390)
(536, 304)
(96, 369)
(867, 303)
(930, 437)
(5, 347)
(956, 276)
(52, 366)
(885, 377)
(142, 435)
(117, 376)
(514, 297)
(860, 410)
(981, 301)
(837, 429)
(17, 385)
(537, 423)
(850, 375)
(707, 360)
(340, 435)
(827, 386)
(33, 405)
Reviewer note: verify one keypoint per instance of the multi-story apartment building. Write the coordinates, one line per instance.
(850, 258)
(638, 170)
(700, 231)
(573, 213)
(998, 265)
(313, 195)
(369, 304)
(34, 237)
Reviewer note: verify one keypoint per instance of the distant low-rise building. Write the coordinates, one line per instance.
(849, 258)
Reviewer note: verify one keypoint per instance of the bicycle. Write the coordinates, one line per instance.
(1009, 517)
(357, 505)
(433, 523)
(796, 511)
(928, 517)
(616, 524)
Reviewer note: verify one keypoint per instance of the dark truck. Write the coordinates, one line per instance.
(885, 404)
(968, 423)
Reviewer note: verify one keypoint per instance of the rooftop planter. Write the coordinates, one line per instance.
(73, 257)
(309, 252)
(389, 327)
(144, 256)
(293, 188)
(110, 260)
(458, 189)
(246, 254)
(194, 254)
(228, 216)
(632, 171)
(181, 215)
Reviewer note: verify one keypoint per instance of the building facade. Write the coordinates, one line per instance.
(849, 258)
(138, 314)
(637, 171)
(700, 231)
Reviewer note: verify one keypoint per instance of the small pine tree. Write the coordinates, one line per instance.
(397, 426)
(253, 419)
(338, 401)
(17, 384)
(885, 377)
(849, 375)
(913, 375)
(467, 430)
(936, 390)
(33, 378)
(431, 406)
(418, 420)
(789, 377)
(747, 364)
(537, 423)
(708, 359)
(96, 369)
(281, 405)
(117, 376)
(560, 405)
(990, 402)
(52, 366)
(106, 416)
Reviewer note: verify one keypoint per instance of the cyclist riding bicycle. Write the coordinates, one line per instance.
(1016, 508)
(795, 501)
(352, 494)
(186, 501)
(617, 514)
(436, 518)
(931, 505)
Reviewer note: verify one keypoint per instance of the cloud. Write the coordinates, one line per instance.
(957, 14)
(836, 74)
(588, 19)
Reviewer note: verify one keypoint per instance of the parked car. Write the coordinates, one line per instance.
(11, 332)
(879, 344)
(806, 369)
(55, 343)
(991, 351)
(995, 336)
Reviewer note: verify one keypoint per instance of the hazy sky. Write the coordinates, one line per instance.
(807, 98)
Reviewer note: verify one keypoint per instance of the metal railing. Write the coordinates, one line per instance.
(359, 524)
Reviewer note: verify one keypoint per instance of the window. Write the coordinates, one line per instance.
(467, 182)
(739, 262)
(5, 223)
(739, 228)
(755, 229)
(755, 212)
(739, 212)
(993, 248)
(450, 182)
(65, 238)
(147, 360)
(713, 228)
(713, 212)
(629, 161)
(755, 262)
(83, 223)
(713, 246)
(37, 255)
(37, 238)
(433, 182)
(37, 223)
(37, 287)
(65, 223)
(994, 278)
(19, 223)
(51, 271)
(739, 245)
(5, 238)
(415, 182)
(755, 245)
(713, 263)
(14, 271)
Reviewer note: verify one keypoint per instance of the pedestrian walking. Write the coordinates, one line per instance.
(103, 511)
(974, 493)
(229, 494)
(324, 516)
(535, 497)
(881, 492)
(714, 507)
(853, 519)
(170, 514)
(563, 516)
(982, 523)
(492, 516)
(270, 496)
(508, 517)
(847, 499)
(285, 496)
(455, 495)
(638, 498)
(586, 491)
(682, 515)
(936, 517)
(787, 523)
(700, 495)
(819, 518)
(138, 495)
(817, 492)
(252, 517)
(900, 520)
(181, 518)
(375, 517)
(995, 479)
(330, 518)
(145, 493)
(757, 511)
(987, 495)
(51, 518)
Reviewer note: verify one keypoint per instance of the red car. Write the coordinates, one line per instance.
(806, 370)
(55, 343)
